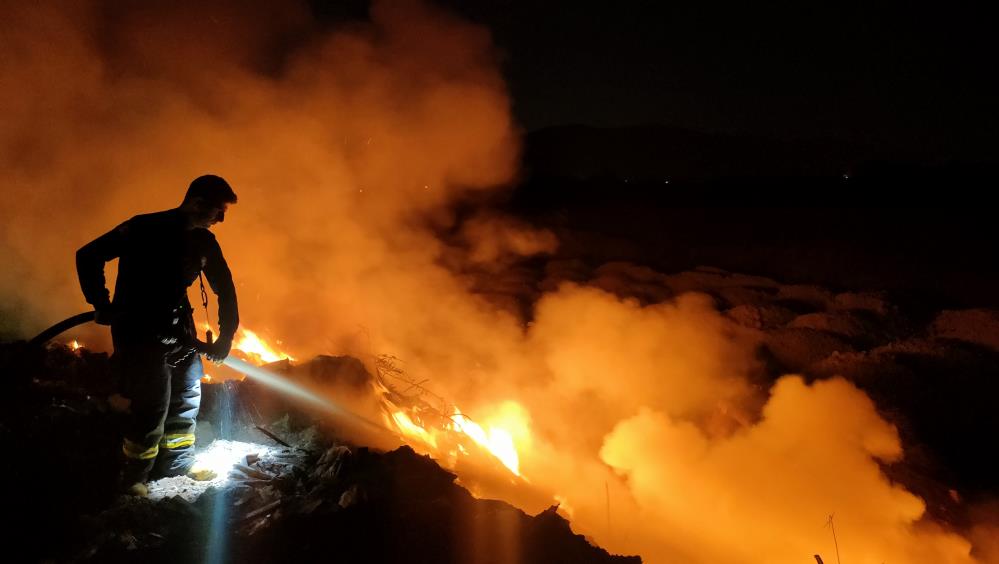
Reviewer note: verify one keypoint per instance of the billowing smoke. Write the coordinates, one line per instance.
(341, 146)
(348, 147)
(766, 490)
(647, 428)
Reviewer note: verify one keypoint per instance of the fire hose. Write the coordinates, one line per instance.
(191, 347)
(64, 325)
(266, 377)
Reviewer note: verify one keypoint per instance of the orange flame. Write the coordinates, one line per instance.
(257, 350)
(445, 439)
(498, 441)
(412, 430)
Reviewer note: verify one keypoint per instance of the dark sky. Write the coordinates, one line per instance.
(903, 79)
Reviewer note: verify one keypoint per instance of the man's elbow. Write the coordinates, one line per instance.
(83, 258)
(85, 254)
(89, 266)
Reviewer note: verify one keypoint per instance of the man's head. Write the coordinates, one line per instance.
(207, 199)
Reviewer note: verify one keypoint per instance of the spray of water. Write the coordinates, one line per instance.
(285, 386)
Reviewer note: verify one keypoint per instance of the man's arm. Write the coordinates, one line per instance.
(220, 279)
(90, 260)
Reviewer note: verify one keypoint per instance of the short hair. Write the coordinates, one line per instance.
(212, 189)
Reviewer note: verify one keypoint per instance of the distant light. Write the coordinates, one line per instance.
(846, 177)
(665, 181)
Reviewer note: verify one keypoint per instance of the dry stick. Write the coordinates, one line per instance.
(385, 366)
(262, 510)
(415, 385)
(273, 437)
(607, 498)
(253, 472)
(835, 542)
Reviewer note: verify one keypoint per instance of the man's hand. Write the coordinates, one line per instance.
(219, 350)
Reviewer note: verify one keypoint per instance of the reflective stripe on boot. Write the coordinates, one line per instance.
(135, 451)
(177, 440)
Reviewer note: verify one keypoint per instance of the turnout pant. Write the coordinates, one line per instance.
(165, 398)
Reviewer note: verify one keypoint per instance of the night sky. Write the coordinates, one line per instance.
(907, 81)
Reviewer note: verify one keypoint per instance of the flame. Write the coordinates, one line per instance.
(257, 350)
(411, 429)
(445, 439)
(75, 345)
(498, 441)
